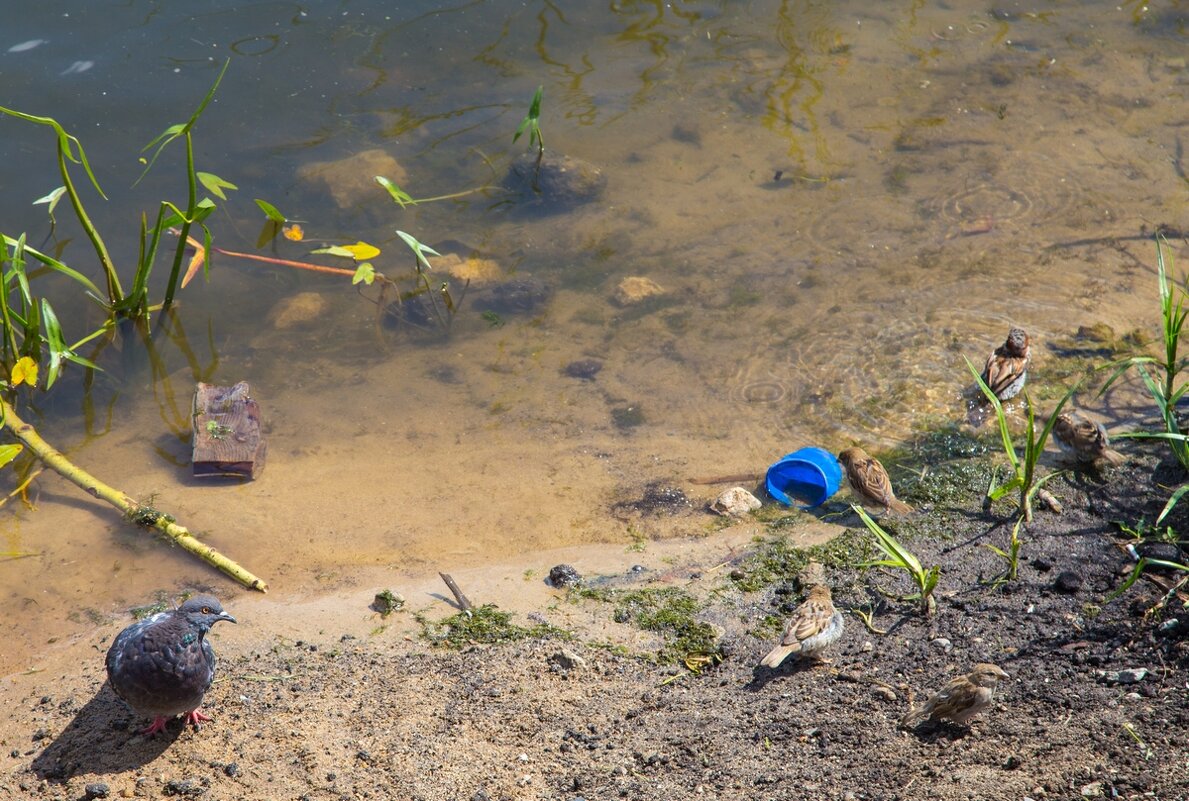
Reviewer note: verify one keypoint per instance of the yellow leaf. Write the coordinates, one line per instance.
(362, 251)
(294, 233)
(24, 372)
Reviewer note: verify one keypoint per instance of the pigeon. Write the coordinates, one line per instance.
(960, 699)
(162, 666)
(869, 481)
(814, 625)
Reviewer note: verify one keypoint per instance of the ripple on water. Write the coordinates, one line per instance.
(1022, 187)
(878, 371)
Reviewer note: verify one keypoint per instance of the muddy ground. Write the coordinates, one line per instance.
(1096, 705)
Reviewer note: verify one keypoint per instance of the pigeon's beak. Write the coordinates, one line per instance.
(227, 617)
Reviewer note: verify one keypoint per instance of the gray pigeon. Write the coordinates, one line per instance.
(162, 666)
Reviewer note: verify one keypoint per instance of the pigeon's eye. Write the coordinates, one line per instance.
(206, 610)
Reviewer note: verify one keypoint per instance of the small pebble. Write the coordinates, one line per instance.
(96, 790)
(564, 576)
(1067, 582)
(584, 369)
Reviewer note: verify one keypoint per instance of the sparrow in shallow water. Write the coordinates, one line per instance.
(814, 625)
(869, 481)
(1084, 439)
(1007, 367)
(959, 700)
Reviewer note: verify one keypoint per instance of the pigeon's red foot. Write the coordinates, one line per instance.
(195, 717)
(156, 727)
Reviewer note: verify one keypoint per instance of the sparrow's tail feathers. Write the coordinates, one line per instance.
(778, 655)
(1113, 457)
(899, 507)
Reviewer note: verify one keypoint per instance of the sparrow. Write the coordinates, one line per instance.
(814, 625)
(959, 700)
(1084, 439)
(869, 481)
(1007, 366)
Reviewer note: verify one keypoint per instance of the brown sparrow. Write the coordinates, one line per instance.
(814, 625)
(1007, 366)
(1084, 439)
(869, 481)
(959, 700)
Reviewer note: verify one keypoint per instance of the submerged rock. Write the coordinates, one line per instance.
(585, 369)
(559, 182)
(351, 180)
(296, 311)
(636, 289)
(518, 296)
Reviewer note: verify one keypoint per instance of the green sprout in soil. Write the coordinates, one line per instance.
(1166, 391)
(1023, 477)
(485, 625)
(1011, 555)
(900, 558)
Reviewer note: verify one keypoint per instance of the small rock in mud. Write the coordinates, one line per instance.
(564, 576)
(517, 296)
(1128, 676)
(350, 180)
(585, 369)
(735, 502)
(183, 787)
(567, 660)
(1067, 582)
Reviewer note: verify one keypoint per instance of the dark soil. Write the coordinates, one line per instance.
(546, 718)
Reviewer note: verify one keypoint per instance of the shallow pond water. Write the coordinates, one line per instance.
(837, 201)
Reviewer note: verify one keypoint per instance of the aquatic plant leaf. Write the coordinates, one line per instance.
(24, 372)
(57, 345)
(361, 251)
(335, 250)
(365, 273)
(419, 249)
(196, 262)
(214, 184)
(10, 452)
(270, 211)
(51, 199)
(398, 195)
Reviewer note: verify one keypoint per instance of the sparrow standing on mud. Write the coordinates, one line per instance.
(1084, 439)
(1007, 366)
(814, 625)
(869, 481)
(959, 700)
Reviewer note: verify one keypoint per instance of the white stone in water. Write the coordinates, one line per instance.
(735, 502)
(636, 289)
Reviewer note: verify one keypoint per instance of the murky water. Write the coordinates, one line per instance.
(839, 202)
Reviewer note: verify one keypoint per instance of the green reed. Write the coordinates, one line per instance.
(1023, 466)
(897, 556)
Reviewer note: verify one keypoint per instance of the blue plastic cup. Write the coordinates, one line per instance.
(809, 476)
